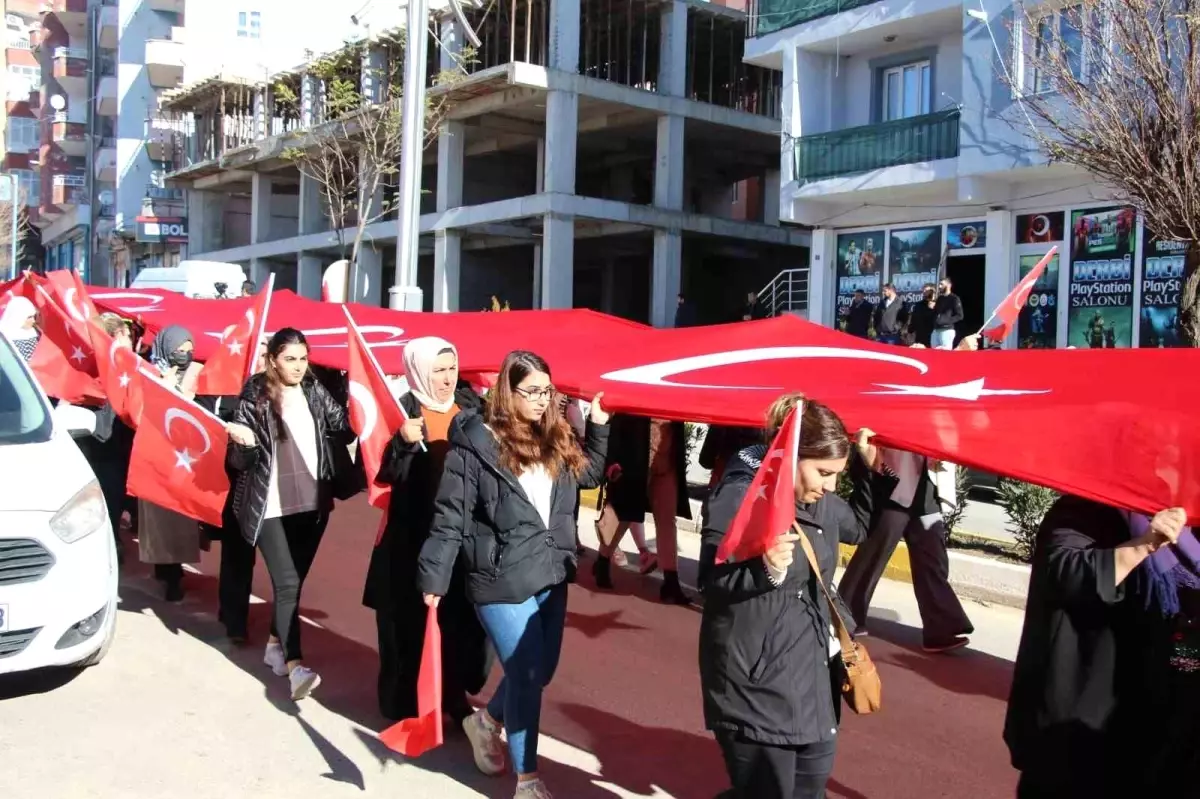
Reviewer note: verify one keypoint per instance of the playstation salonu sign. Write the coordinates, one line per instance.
(162, 229)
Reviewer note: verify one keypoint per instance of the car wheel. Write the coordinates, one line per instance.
(98, 655)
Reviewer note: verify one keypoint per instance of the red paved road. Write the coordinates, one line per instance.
(628, 692)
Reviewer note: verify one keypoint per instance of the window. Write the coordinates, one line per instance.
(29, 184)
(1073, 33)
(18, 38)
(906, 90)
(22, 81)
(23, 135)
(249, 25)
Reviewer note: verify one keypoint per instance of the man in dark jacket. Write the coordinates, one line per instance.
(891, 316)
(948, 312)
(922, 317)
(754, 308)
(859, 315)
(685, 313)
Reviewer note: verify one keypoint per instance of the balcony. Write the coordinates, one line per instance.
(106, 96)
(853, 151)
(65, 191)
(164, 140)
(176, 6)
(70, 69)
(106, 160)
(768, 16)
(70, 136)
(164, 63)
(65, 7)
(110, 32)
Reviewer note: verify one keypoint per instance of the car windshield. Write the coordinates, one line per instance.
(24, 415)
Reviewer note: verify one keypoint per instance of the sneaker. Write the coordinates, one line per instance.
(304, 681)
(532, 789)
(649, 562)
(602, 572)
(671, 592)
(619, 560)
(275, 658)
(948, 645)
(485, 744)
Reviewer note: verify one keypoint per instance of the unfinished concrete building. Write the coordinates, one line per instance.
(607, 154)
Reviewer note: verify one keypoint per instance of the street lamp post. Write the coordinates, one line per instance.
(16, 212)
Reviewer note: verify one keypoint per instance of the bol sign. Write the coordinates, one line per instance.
(160, 229)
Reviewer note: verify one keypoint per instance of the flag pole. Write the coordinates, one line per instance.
(354, 331)
(1046, 258)
(262, 329)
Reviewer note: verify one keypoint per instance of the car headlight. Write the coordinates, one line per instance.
(84, 514)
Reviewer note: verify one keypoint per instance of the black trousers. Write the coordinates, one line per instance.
(236, 582)
(942, 614)
(289, 546)
(759, 771)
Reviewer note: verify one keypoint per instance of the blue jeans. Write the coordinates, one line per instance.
(889, 338)
(528, 640)
(943, 339)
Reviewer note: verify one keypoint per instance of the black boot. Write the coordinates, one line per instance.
(671, 591)
(602, 571)
(171, 574)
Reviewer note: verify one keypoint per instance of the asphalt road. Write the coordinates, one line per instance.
(176, 711)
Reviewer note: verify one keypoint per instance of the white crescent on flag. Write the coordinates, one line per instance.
(183, 457)
(369, 410)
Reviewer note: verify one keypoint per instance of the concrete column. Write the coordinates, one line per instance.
(666, 277)
(366, 286)
(374, 74)
(262, 111)
(452, 45)
(822, 276)
(447, 269)
(1001, 270)
(807, 101)
(564, 35)
(206, 222)
(540, 179)
(537, 277)
(309, 99)
(668, 166)
(451, 139)
(260, 208)
(673, 42)
(309, 270)
(771, 197)
(312, 206)
(562, 130)
(558, 262)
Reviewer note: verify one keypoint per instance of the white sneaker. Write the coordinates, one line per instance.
(275, 658)
(532, 789)
(485, 744)
(304, 681)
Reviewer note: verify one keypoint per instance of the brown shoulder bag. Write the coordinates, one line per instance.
(862, 688)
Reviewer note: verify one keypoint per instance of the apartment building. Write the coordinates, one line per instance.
(21, 129)
(904, 146)
(590, 157)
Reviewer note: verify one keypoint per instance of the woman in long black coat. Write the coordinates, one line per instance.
(412, 465)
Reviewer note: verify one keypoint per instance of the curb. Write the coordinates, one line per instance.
(985, 580)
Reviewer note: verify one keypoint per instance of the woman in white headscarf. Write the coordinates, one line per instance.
(412, 465)
(19, 325)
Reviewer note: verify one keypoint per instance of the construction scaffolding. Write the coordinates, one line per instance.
(717, 73)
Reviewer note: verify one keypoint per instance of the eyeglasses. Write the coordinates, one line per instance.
(536, 394)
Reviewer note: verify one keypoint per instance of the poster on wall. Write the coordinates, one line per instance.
(1103, 242)
(859, 261)
(1037, 325)
(967, 235)
(1163, 265)
(1040, 228)
(913, 260)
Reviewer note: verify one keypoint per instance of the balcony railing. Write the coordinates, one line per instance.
(852, 151)
(154, 192)
(768, 16)
(71, 52)
(78, 181)
(108, 211)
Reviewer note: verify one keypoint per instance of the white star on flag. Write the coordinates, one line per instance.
(124, 380)
(77, 355)
(235, 347)
(762, 493)
(184, 459)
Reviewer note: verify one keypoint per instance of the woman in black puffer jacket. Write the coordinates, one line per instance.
(281, 453)
(769, 667)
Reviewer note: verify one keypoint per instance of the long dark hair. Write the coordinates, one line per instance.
(550, 441)
(823, 435)
(272, 393)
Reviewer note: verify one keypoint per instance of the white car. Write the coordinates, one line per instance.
(58, 558)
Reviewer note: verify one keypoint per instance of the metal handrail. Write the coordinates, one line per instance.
(787, 292)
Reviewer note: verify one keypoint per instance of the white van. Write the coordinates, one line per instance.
(58, 558)
(193, 279)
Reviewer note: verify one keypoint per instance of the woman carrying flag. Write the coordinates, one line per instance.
(769, 667)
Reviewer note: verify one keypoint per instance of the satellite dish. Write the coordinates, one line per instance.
(106, 197)
(58, 102)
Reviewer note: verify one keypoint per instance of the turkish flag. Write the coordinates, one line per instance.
(70, 295)
(226, 370)
(118, 367)
(178, 459)
(64, 362)
(769, 507)
(415, 737)
(375, 415)
(1008, 310)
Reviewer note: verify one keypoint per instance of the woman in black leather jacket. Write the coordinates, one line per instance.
(282, 438)
(770, 673)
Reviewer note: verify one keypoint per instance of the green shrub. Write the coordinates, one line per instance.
(1025, 505)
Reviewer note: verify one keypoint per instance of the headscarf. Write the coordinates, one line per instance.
(419, 356)
(12, 323)
(169, 339)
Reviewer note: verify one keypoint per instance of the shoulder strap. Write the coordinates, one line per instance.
(838, 622)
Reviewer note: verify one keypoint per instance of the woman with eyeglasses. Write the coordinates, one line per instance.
(507, 502)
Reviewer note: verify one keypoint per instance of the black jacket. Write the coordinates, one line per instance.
(765, 670)
(858, 318)
(509, 552)
(629, 447)
(890, 319)
(1082, 685)
(252, 465)
(949, 311)
(921, 321)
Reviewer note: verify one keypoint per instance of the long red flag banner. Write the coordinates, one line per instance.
(1117, 426)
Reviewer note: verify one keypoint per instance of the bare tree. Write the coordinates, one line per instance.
(1113, 87)
(19, 207)
(352, 148)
